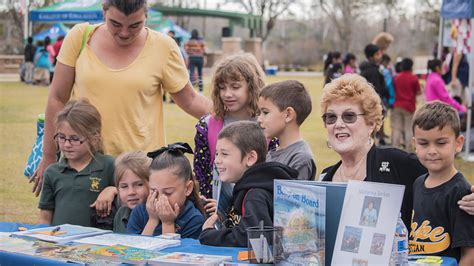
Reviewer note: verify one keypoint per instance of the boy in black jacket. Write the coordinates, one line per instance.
(240, 158)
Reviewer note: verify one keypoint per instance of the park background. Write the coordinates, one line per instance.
(21, 104)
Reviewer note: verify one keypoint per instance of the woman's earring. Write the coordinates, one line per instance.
(328, 144)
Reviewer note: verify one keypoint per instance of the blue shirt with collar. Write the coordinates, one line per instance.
(188, 223)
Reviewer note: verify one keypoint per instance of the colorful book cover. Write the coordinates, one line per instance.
(125, 254)
(301, 210)
(180, 258)
(335, 193)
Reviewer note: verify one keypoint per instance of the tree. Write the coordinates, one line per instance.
(268, 10)
(343, 14)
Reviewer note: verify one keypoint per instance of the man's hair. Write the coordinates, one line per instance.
(370, 50)
(247, 136)
(289, 93)
(126, 6)
(30, 40)
(406, 64)
(437, 114)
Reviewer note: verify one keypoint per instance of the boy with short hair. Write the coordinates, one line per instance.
(438, 226)
(407, 88)
(283, 108)
(240, 158)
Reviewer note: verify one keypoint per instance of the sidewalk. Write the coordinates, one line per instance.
(14, 77)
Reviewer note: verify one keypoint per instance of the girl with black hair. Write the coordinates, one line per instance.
(173, 204)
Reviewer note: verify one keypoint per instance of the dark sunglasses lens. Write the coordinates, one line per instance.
(349, 117)
(330, 119)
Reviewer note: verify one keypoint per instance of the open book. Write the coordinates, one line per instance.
(136, 241)
(61, 234)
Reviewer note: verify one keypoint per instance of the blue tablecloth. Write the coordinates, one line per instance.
(187, 245)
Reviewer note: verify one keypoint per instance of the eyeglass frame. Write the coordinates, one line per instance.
(324, 117)
(55, 137)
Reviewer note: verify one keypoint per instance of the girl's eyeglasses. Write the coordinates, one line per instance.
(347, 117)
(75, 141)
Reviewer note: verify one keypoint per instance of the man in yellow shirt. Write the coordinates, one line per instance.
(121, 70)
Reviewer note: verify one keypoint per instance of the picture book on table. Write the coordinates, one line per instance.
(335, 193)
(61, 233)
(301, 210)
(367, 225)
(181, 259)
(136, 241)
(124, 254)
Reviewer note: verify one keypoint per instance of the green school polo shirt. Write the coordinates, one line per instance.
(69, 193)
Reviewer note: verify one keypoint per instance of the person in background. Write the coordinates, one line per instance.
(132, 171)
(173, 204)
(196, 49)
(332, 58)
(284, 106)
(334, 71)
(371, 72)
(30, 50)
(386, 69)
(435, 88)
(437, 138)
(57, 47)
(51, 56)
(42, 65)
(350, 63)
(407, 88)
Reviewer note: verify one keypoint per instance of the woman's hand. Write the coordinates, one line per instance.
(37, 177)
(210, 222)
(151, 206)
(103, 203)
(166, 212)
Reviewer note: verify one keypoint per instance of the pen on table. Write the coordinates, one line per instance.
(55, 230)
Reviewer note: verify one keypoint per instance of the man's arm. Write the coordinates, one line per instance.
(192, 102)
(59, 94)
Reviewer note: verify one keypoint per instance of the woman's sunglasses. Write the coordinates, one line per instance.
(347, 117)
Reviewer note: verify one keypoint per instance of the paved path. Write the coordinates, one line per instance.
(9, 77)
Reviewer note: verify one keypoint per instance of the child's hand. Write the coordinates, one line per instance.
(165, 211)
(150, 206)
(210, 205)
(103, 203)
(210, 222)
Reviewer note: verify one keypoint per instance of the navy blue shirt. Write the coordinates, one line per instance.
(188, 223)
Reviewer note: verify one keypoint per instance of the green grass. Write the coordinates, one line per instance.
(20, 105)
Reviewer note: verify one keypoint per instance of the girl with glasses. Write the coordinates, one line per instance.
(72, 187)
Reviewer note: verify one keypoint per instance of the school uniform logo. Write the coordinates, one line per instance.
(427, 240)
(95, 184)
